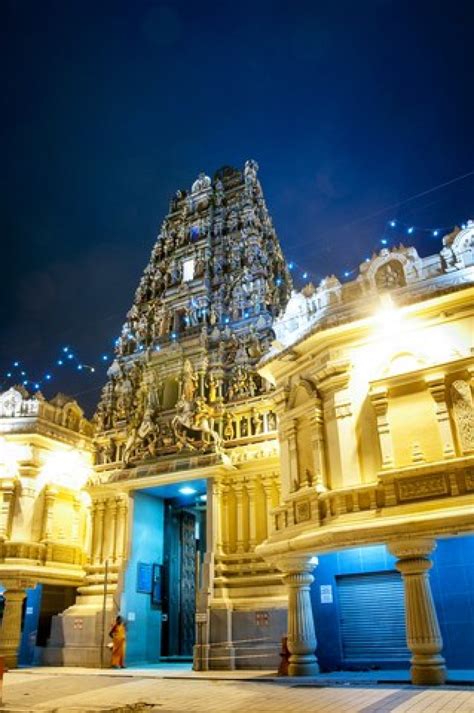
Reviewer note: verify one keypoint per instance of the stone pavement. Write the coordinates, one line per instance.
(114, 692)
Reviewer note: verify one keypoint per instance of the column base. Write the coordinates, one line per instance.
(10, 657)
(221, 658)
(201, 653)
(428, 672)
(303, 665)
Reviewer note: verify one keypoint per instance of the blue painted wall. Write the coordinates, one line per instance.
(452, 583)
(27, 650)
(144, 632)
(26, 654)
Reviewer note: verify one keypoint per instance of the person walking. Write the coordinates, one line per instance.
(118, 636)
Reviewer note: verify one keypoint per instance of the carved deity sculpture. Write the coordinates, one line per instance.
(189, 380)
(390, 275)
(461, 395)
(250, 174)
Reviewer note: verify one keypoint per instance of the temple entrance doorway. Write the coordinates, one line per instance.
(163, 575)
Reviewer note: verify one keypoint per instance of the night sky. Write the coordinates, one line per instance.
(109, 107)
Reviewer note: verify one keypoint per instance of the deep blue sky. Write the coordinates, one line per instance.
(109, 107)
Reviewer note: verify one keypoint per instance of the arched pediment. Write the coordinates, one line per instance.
(404, 361)
(391, 269)
(301, 393)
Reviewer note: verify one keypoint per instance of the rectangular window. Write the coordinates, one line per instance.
(188, 270)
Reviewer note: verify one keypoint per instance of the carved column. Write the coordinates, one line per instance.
(301, 633)
(286, 476)
(21, 528)
(98, 532)
(343, 456)
(423, 633)
(437, 388)
(463, 412)
(110, 524)
(267, 484)
(239, 515)
(217, 517)
(317, 442)
(225, 520)
(251, 492)
(76, 520)
(50, 494)
(6, 511)
(10, 633)
(290, 435)
(121, 529)
(379, 399)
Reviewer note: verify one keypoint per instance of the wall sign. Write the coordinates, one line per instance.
(144, 577)
(326, 594)
(131, 616)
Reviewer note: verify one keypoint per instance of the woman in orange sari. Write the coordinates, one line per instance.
(117, 633)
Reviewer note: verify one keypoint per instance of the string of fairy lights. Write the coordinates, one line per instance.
(394, 232)
(68, 358)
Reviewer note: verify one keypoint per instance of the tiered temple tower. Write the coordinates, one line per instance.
(201, 319)
(183, 402)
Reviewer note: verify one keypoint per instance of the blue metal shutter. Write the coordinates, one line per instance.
(372, 617)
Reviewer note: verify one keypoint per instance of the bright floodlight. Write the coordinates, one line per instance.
(186, 490)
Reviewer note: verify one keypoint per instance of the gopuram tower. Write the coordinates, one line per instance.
(186, 445)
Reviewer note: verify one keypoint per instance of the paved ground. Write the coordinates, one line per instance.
(87, 692)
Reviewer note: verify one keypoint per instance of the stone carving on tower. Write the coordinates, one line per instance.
(200, 321)
(463, 409)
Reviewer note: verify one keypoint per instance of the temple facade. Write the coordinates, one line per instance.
(262, 462)
(46, 458)
(187, 469)
(374, 382)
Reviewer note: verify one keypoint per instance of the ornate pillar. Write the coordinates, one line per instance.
(76, 520)
(50, 494)
(239, 515)
(423, 633)
(290, 435)
(463, 412)
(225, 520)
(268, 488)
(110, 523)
(98, 533)
(437, 389)
(301, 634)
(251, 487)
(21, 528)
(7, 488)
(379, 399)
(343, 456)
(215, 511)
(121, 529)
(10, 633)
(317, 442)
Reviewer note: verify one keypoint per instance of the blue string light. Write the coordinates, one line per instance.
(67, 355)
(394, 229)
(19, 374)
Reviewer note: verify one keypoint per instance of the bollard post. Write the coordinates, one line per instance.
(285, 657)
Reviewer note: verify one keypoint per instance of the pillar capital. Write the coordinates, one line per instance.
(294, 565)
(412, 548)
(15, 595)
(17, 585)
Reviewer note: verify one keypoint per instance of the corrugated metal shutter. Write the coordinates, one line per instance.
(372, 617)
